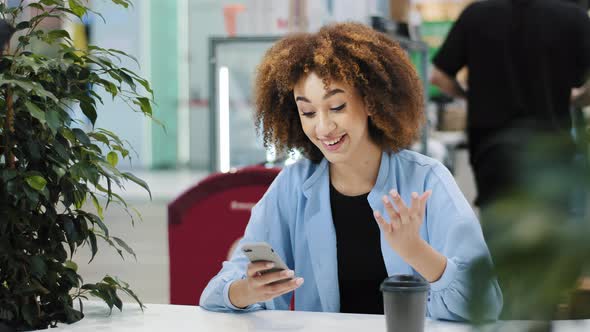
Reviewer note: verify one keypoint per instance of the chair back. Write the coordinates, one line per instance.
(203, 224)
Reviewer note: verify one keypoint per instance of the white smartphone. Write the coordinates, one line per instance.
(262, 251)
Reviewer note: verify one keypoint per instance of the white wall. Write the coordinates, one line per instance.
(122, 31)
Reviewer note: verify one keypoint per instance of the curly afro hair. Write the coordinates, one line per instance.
(351, 53)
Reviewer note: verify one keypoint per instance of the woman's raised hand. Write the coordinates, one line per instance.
(403, 232)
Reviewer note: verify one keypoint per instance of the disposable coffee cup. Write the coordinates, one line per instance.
(404, 302)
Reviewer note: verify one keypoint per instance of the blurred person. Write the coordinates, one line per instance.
(524, 58)
(359, 207)
(6, 32)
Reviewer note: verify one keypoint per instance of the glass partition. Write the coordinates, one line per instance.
(233, 64)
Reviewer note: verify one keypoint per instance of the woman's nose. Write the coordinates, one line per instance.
(325, 125)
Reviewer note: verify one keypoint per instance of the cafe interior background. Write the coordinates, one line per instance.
(200, 56)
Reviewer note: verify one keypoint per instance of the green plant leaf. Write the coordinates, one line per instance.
(23, 25)
(124, 3)
(137, 180)
(71, 265)
(128, 79)
(93, 245)
(78, 9)
(109, 280)
(81, 136)
(35, 5)
(89, 110)
(59, 172)
(71, 234)
(117, 301)
(8, 174)
(100, 137)
(38, 267)
(31, 194)
(103, 294)
(53, 120)
(110, 87)
(37, 286)
(124, 152)
(96, 220)
(112, 244)
(114, 75)
(61, 150)
(145, 105)
(57, 34)
(36, 182)
(113, 158)
(112, 50)
(97, 206)
(28, 86)
(35, 111)
(51, 2)
(125, 246)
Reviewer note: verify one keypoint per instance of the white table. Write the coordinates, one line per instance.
(168, 318)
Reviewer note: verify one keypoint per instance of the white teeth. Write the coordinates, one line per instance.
(334, 141)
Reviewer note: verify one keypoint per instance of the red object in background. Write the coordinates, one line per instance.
(205, 221)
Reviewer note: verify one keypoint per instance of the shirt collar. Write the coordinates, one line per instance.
(321, 170)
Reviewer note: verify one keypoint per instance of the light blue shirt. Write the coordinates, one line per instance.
(295, 218)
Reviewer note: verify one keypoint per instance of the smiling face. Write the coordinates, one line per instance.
(334, 119)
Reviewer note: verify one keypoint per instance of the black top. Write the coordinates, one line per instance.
(523, 58)
(360, 263)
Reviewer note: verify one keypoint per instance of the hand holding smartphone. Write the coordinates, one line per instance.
(267, 277)
(263, 252)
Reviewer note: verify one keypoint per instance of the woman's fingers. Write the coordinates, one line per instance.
(415, 201)
(267, 285)
(394, 216)
(292, 288)
(400, 213)
(403, 211)
(278, 289)
(271, 277)
(423, 198)
(385, 227)
(255, 269)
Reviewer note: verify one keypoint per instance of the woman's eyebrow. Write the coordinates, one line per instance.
(302, 99)
(326, 96)
(332, 92)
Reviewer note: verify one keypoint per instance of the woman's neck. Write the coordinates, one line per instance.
(358, 176)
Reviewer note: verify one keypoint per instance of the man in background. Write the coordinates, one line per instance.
(6, 31)
(524, 58)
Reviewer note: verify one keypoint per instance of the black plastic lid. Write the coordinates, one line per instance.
(404, 283)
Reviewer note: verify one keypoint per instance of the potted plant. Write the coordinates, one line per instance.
(539, 237)
(52, 171)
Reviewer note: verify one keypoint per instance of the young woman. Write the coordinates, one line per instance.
(359, 208)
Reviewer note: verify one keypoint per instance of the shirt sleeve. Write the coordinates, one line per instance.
(266, 224)
(455, 232)
(452, 55)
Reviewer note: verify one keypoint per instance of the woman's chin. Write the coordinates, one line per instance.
(335, 158)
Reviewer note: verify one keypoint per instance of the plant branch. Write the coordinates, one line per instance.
(9, 129)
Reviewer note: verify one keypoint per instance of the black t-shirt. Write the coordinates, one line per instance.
(522, 61)
(360, 263)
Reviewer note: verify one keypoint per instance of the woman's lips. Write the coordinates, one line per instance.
(336, 146)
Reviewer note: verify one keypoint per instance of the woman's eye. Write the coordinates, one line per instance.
(339, 107)
(308, 114)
